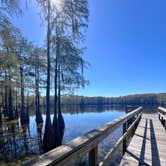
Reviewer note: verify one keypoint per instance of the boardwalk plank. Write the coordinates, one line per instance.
(148, 145)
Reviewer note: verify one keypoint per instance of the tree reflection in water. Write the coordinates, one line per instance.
(16, 143)
(19, 144)
(39, 136)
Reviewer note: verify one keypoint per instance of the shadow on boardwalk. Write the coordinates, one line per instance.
(148, 145)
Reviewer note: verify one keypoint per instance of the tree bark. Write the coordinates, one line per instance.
(6, 96)
(37, 96)
(60, 117)
(10, 113)
(56, 129)
(16, 105)
(22, 114)
(47, 138)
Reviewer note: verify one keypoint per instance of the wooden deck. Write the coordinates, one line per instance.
(70, 153)
(148, 145)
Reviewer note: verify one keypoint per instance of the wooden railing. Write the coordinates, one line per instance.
(162, 115)
(68, 154)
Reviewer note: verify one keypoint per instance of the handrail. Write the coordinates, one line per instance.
(68, 153)
(162, 115)
(162, 110)
(121, 139)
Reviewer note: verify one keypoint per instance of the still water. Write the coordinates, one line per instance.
(18, 145)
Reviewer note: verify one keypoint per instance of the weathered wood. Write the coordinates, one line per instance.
(110, 154)
(148, 144)
(125, 140)
(93, 157)
(162, 110)
(68, 153)
(162, 115)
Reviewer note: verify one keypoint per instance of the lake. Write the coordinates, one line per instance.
(18, 145)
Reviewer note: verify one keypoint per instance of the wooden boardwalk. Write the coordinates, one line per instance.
(146, 148)
(148, 145)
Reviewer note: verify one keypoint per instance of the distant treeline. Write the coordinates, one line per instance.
(137, 99)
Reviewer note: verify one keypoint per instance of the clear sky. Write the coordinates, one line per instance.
(126, 45)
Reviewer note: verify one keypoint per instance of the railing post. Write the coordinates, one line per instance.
(93, 157)
(164, 123)
(159, 115)
(125, 140)
(136, 125)
(162, 120)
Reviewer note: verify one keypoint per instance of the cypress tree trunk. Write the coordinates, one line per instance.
(37, 97)
(39, 134)
(56, 132)
(22, 111)
(27, 110)
(60, 117)
(6, 96)
(3, 101)
(1, 107)
(10, 113)
(25, 140)
(47, 138)
(16, 105)
(55, 95)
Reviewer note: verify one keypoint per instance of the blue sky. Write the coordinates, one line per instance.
(126, 45)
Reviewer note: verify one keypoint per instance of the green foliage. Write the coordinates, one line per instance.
(24, 66)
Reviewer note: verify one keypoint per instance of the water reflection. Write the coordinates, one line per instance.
(25, 138)
(39, 138)
(19, 144)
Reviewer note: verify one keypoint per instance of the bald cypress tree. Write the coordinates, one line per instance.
(64, 19)
(37, 65)
(46, 7)
(8, 68)
(56, 18)
(72, 18)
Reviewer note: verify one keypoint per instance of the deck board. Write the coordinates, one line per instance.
(148, 145)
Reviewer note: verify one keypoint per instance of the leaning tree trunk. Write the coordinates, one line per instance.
(47, 138)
